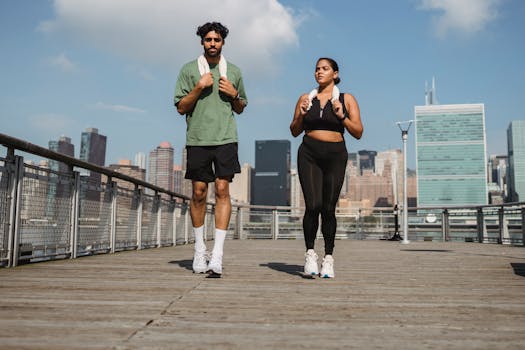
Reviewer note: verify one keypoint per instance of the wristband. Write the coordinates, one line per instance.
(237, 97)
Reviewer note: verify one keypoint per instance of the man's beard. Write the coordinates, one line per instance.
(217, 53)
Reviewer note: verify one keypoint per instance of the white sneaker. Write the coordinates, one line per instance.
(200, 263)
(327, 267)
(215, 265)
(310, 263)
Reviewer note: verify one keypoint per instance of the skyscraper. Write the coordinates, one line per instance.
(367, 160)
(124, 167)
(516, 170)
(160, 171)
(271, 185)
(58, 189)
(240, 188)
(451, 155)
(140, 160)
(63, 146)
(93, 147)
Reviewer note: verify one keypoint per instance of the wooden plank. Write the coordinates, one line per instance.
(388, 295)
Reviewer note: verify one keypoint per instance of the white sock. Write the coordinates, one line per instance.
(198, 232)
(220, 236)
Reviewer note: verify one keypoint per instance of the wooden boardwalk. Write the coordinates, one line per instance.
(424, 295)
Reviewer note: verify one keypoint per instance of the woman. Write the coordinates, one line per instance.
(323, 115)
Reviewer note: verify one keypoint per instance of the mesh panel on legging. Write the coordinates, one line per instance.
(321, 166)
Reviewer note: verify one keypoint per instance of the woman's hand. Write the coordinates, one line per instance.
(337, 107)
(303, 105)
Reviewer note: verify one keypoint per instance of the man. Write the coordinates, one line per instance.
(208, 91)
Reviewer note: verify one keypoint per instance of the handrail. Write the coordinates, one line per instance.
(14, 143)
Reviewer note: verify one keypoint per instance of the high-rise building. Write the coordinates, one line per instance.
(240, 188)
(140, 160)
(63, 146)
(296, 193)
(160, 170)
(92, 150)
(451, 155)
(497, 178)
(390, 165)
(366, 160)
(93, 147)
(124, 167)
(56, 188)
(516, 169)
(271, 185)
(178, 176)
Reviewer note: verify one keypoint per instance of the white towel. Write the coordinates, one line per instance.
(313, 93)
(204, 67)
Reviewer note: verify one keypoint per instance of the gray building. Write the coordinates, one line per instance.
(516, 157)
(271, 179)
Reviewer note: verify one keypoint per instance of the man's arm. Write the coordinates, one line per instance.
(226, 87)
(187, 103)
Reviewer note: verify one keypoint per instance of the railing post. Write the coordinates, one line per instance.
(481, 224)
(523, 225)
(173, 205)
(238, 223)
(113, 224)
(501, 223)
(274, 224)
(75, 209)
(15, 194)
(158, 200)
(445, 225)
(138, 194)
(187, 222)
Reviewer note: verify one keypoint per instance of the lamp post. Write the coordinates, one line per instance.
(404, 137)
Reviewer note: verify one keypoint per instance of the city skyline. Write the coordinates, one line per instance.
(69, 65)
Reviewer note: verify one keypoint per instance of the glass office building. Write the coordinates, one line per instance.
(271, 179)
(516, 156)
(451, 155)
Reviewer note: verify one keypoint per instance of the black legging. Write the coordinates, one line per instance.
(321, 166)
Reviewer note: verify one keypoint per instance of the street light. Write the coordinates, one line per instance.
(404, 137)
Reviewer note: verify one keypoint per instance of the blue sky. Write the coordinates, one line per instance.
(67, 65)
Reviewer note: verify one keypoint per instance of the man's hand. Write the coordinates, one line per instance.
(226, 87)
(206, 80)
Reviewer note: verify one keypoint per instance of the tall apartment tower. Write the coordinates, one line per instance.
(240, 188)
(389, 164)
(160, 170)
(140, 160)
(93, 147)
(55, 188)
(271, 183)
(451, 155)
(367, 160)
(64, 146)
(516, 158)
(125, 167)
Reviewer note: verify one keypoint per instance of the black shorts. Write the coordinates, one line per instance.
(206, 163)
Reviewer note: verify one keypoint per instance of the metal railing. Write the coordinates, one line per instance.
(87, 209)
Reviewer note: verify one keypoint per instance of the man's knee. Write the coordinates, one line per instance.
(222, 190)
(199, 193)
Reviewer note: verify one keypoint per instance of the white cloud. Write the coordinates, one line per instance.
(163, 32)
(118, 108)
(463, 16)
(63, 62)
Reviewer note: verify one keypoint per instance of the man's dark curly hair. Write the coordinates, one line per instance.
(212, 27)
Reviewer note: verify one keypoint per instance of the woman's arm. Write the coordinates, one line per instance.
(296, 127)
(353, 123)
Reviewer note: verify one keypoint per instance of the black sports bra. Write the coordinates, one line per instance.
(324, 119)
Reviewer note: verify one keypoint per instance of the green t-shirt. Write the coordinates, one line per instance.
(211, 122)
